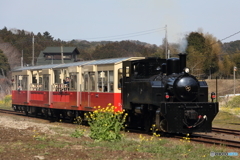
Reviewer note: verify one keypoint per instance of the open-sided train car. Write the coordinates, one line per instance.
(68, 89)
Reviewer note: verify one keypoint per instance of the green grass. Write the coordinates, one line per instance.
(6, 102)
(162, 149)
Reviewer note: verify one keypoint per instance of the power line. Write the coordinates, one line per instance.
(230, 36)
(133, 34)
(224, 38)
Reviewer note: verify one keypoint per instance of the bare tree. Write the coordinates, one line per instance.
(12, 54)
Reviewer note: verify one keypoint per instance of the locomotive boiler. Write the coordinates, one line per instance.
(162, 92)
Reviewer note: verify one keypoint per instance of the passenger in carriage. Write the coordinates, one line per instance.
(100, 88)
(105, 89)
(19, 87)
(66, 84)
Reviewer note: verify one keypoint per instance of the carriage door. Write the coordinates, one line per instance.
(23, 90)
(73, 87)
(46, 89)
(89, 86)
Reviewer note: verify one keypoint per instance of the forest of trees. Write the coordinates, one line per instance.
(206, 55)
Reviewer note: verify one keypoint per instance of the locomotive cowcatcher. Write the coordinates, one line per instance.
(162, 92)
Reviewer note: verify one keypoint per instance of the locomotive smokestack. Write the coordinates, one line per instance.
(182, 57)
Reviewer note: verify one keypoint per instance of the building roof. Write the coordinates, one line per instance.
(41, 60)
(58, 50)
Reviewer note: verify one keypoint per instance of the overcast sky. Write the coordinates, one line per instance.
(116, 20)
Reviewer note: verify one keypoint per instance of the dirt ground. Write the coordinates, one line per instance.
(24, 139)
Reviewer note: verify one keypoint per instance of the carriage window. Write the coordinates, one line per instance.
(86, 82)
(34, 84)
(105, 81)
(73, 82)
(34, 80)
(120, 78)
(22, 82)
(89, 81)
(102, 81)
(19, 83)
(57, 76)
(111, 84)
(40, 80)
(45, 82)
(92, 82)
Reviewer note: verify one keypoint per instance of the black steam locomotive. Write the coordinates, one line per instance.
(162, 92)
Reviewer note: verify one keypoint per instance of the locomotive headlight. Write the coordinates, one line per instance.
(186, 70)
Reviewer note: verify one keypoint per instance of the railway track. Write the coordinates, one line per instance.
(210, 139)
(214, 140)
(10, 112)
(219, 136)
(226, 131)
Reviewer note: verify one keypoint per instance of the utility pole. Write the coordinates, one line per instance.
(62, 53)
(33, 51)
(168, 54)
(166, 42)
(22, 59)
(234, 70)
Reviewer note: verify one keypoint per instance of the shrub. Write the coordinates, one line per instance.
(105, 124)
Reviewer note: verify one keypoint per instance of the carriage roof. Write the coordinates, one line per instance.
(80, 63)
